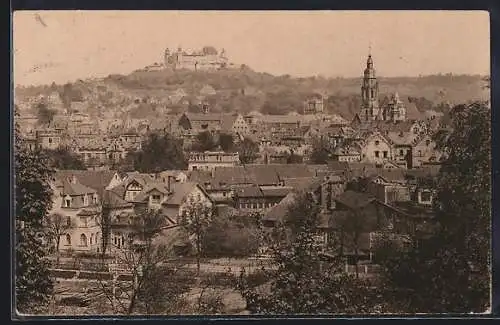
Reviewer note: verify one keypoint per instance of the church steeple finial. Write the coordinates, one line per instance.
(369, 61)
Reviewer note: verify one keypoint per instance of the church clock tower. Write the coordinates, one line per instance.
(369, 93)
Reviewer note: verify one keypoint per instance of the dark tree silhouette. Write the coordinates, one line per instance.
(159, 153)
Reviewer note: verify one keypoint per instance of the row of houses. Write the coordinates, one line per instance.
(394, 200)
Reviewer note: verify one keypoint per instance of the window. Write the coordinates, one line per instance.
(401, 153)
(91, 239)
(67, 202)
(95, 199)
(155, 199)
(68, 221)
(420, 153)
(376, 153)
(377, 143)
(427, 142)
(425, 196)
(50, 140)
(68, 239)
(385, 154)
(85, 221)
(83, 240)
(85, 200)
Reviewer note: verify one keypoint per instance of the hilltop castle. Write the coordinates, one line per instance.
(206, 59)
(393, 110)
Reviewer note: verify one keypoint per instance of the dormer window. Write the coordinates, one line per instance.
(94, 199)
(155, 199)
(67, 202)
(377, 142)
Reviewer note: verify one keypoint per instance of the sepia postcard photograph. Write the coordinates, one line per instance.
(269, 163)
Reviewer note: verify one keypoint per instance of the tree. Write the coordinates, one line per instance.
(159, 153)
(57, 225)
(204, 142)
(293, 158)
(231, 237)
(144, 256)
(303, 283)
(248, 151)
(63, 158)
(320, 152)
(44, 114)
(226, 142)
(33, 201)
(449, 267)
(196, 219)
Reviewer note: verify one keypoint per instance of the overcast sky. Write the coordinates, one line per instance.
(64, 46)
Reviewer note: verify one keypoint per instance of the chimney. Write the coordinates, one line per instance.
(169, 182)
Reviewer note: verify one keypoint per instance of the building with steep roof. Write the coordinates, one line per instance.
(80, 208)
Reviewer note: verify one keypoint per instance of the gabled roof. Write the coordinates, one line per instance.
(280, 210)
(412, 112)
(144, 194)
(142, 179)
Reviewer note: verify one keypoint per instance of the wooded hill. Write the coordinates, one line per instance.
(245, 90)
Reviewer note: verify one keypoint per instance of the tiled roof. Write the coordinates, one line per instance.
(391, 175)
(354, 200)
(303, 183)
(401, 138)
(114, 198)
(277, 191)
(142, 179)
(95, 179)
(70, 188)
(249, 191)
(280, 211)
(179, 192)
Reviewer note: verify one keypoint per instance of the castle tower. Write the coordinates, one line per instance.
(166, 57)
(369, 93)
(396, 110)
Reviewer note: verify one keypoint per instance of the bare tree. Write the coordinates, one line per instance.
(144, 260)
(57, 225)
(195, 219)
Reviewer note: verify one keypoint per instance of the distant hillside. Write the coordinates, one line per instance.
(245, 90)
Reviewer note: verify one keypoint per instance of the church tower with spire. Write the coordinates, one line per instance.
(369, 93)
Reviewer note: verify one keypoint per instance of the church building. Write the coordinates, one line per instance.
(393, 111)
